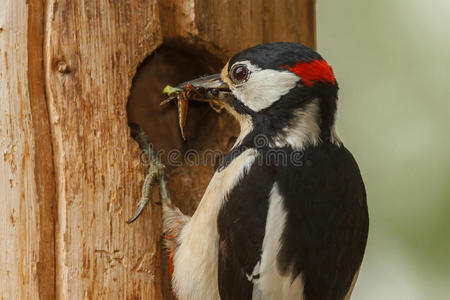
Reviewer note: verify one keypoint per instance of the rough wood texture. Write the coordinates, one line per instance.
(70, 173)
(226, 27)
(92, 49)
(26, 163)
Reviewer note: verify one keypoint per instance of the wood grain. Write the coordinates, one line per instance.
(26, 163)
(228, 26)
(92, 49)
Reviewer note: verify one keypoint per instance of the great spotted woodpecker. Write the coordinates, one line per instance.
(285, 215)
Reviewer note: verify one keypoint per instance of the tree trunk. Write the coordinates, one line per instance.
(70, 172)
(27, 181)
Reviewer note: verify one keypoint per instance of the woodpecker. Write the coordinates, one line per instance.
(285, 215)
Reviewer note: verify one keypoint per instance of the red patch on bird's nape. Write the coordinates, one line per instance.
(312, 72)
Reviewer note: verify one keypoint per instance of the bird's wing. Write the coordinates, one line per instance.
(326, 222)
(294, 230)
(241, 227)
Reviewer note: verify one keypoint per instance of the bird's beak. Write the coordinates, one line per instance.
(209, 82)
(209, 88)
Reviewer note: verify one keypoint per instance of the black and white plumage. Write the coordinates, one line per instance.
(285, 215)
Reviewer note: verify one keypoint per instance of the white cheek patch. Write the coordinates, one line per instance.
(264, 87)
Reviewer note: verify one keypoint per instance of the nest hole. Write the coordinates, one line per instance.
(189, 170)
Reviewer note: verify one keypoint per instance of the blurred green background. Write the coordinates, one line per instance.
(392, 61)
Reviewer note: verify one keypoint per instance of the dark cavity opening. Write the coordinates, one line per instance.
(206, 130)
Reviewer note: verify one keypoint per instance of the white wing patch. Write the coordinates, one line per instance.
(271, 283)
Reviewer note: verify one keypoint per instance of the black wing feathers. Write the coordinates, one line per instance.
(327, 221)
(241, 226)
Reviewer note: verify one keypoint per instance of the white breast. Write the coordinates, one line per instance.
(196, 259)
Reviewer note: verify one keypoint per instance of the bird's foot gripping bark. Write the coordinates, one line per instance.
(173, 219)
(156, 172)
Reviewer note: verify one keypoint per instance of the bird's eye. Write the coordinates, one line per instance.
(239, 74)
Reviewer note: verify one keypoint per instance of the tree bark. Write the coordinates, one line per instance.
(27, 182)
(70, 173)
(92, 49)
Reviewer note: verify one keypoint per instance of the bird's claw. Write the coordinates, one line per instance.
(156, 172)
